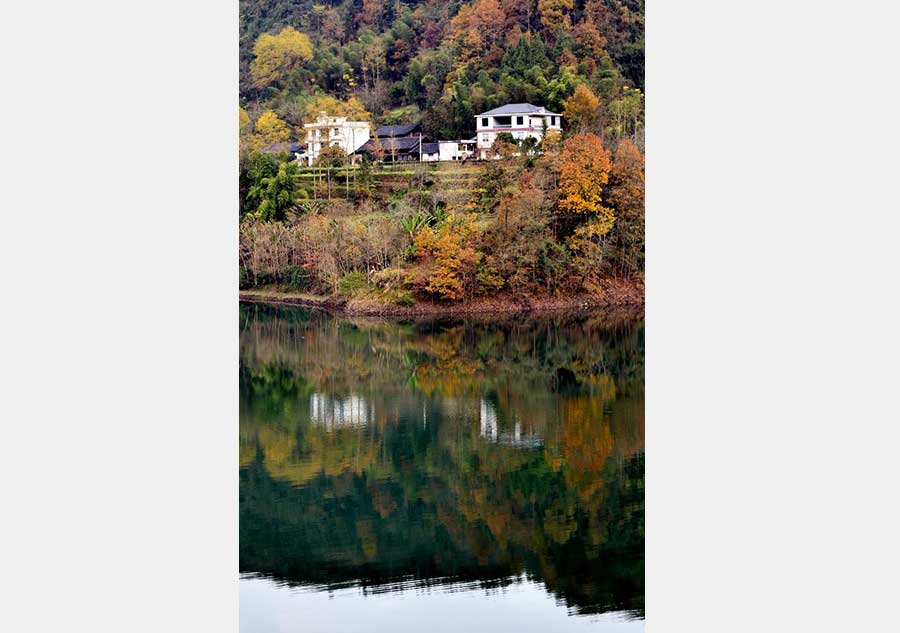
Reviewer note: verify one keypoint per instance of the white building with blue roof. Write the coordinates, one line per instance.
(522, 120)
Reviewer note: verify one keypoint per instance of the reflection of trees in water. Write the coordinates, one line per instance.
(519, 366)
(479, 460)
(373, 529)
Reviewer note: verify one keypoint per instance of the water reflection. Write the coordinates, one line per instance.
(490, 430)
(335, 413)
(470, 456)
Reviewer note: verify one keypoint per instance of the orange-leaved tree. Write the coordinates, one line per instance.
(453, 260)
(584, 171)
(475, 34)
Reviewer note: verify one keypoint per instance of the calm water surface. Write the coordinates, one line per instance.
(443, 476)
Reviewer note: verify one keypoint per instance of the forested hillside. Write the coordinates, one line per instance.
(557, 215)
(441, 62)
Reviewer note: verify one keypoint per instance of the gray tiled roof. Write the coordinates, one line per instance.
(402, 144)
(516, 108)
(386, 131)
(430, 148)
(277, 148)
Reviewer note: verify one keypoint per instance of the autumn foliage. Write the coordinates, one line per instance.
(440, 63)
(449, 256)
(626, 195)
(555, 14)
(559, 216)
(352, 108)
(584, 171)
(269, 129)
(582, 109)
(277, 55)
(476, 32)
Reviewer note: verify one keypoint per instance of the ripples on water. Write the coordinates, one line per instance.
(476, 469)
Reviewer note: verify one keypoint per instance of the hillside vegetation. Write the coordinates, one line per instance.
(440, 62)
(554, 218)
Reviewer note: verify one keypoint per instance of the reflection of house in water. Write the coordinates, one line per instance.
(339, 413)
(487, 418)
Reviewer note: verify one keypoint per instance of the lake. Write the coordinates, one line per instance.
(442, 475)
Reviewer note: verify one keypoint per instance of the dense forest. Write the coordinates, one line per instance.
(450, 232)
(440, 62)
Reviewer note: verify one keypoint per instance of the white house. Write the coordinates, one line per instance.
(334, 130)
(522, 120)
(430, 152)
(456, 150)
(448, 150)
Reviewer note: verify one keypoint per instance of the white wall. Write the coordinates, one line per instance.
(535, 122)
(352, 135)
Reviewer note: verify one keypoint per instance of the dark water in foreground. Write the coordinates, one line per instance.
(457, 475)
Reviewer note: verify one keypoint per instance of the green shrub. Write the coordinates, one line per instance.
(297, 278)
(352, 283)
(400, 297)
(488, 280)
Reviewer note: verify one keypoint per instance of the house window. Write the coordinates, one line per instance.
(484, 122)
(556, 120)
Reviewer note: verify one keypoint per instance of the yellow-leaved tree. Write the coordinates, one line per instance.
(353, 108)
(270, 129)
(582, 109)
(451, 259)
(555, 14)
(584, 171)
(551, 141)
(277, 55)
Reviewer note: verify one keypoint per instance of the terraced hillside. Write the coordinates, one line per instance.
(449, 183)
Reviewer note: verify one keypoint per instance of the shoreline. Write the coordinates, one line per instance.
(616, 296)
